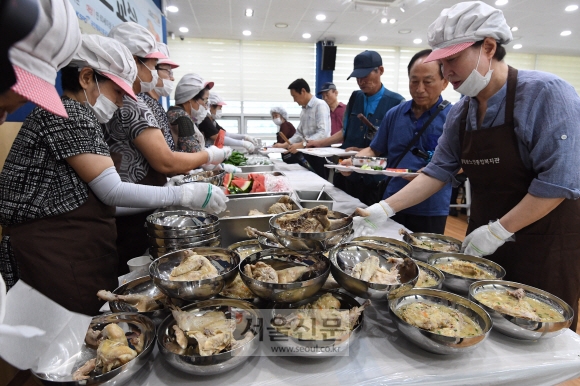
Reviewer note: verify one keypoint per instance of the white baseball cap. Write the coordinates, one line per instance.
(49, 47)
(109, 58)
(138, 40)
(463, 24)
(215, 99)
(165, 50)
(189, 86)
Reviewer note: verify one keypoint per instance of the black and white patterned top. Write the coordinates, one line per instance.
(161, 117)
(36, 180)
(126, 125)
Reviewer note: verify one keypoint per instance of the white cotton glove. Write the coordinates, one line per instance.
(217, 155)
(377, 217)
(249, 146)
(249, 138)
(204, 196)
(173, 180)
(486, 239)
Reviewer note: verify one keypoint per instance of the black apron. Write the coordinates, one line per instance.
(546, 253)
(71, 256)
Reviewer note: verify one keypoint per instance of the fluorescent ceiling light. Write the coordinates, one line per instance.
(249, 12)
(571, 8)
(384, 20)
(402, 9)
(405, 31)
(517, 46)
(172, 8)
(501, 2)
(418, 41)
(183, 29)
(392, 21)
(514, 29)
(247, 32)
(281, 25)
(320, 17)
(565, 33)
(306, 35)
(363, 38)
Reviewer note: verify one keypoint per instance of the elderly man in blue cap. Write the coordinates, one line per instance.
(373, 100)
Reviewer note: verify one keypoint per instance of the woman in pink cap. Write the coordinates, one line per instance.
(516, 135)
(37, 58)
(137, 144)
(60, 189)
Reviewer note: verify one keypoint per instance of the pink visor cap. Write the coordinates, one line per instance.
(463, 24)
(163, 48)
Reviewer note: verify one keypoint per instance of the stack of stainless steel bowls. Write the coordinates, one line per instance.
(173, 230)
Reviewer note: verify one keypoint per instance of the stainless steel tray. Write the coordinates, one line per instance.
(235, 218)
(308, 199)
(257, 168)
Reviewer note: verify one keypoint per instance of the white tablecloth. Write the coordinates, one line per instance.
(382, 356)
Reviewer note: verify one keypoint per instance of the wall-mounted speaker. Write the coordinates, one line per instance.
(328, 58)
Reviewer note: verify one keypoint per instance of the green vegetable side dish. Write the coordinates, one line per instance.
(368, 167)
(236, 159)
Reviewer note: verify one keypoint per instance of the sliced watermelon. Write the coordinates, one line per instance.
(227, 179)
(239, 183)
(247, 187)
(259, 185)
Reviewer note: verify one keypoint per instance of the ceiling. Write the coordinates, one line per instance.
(539, 22)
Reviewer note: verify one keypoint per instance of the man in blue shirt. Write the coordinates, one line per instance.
(373, 100)
(397, 130)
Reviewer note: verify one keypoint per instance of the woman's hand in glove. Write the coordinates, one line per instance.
(249, 146)
(251, 139)
(172, 181)
(372, 218)
(217, 155)
(486, 239)
(204, 196)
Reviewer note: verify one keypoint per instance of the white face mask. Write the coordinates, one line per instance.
(475, 82)
(217, 115)
(198, 115)
(166, 89)
(277, 121)
(103, 107)
(149, 86)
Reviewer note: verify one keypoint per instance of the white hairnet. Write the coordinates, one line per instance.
(279, 110)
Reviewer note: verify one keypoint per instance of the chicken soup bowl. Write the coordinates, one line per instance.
(130, 323)
(433, 277)
(225, 261)
(315, 267)
(432, 341)
(472, 265)
(398, 247)
(346, 256)
(311, 242)
(247, 321)
(522, 327)
(426, 244)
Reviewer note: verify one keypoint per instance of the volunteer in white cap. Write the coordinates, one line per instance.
(517, 137)
(36, 59)
(164, 87)
(137, 144)
(214, 132)
(59, 186)
(280, 119)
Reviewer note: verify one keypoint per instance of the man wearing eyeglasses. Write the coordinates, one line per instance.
(373, 100)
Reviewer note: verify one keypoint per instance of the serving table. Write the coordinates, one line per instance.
(382, 356)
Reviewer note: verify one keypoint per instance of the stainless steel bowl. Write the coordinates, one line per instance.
(129, 322)
(214, 177)
(224, 260)
(520, 328)
(181, 233)
(433, 272)
(329, 347)
(246, 248)
(176, 242)
(423, 254)
(157, 252)
(460, 284)
(184, 220)
(399, 247)
(311, 282)
(344, 257)
(267, 243)
(436, 343)
(219, 363)
(310, 242)
(142, 286)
